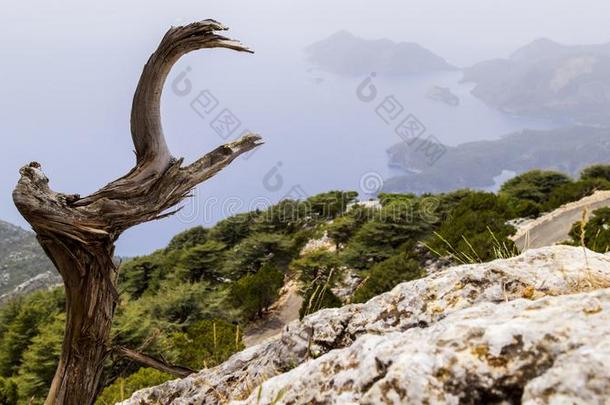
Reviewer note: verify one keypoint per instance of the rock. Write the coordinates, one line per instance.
(553, 349)
(530, 327)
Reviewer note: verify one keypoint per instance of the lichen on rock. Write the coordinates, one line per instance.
(531, 329)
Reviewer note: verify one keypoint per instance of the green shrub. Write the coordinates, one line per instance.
(596, 172)
(40, 360)
(575, 191)
(33, 313)
(596, 232)
(476, 230)
(386, 275)
(315, 265)
(342, 228)
(205, 344)
(252, 253)
(234, 229)
(123, 388)
(398, 222)
(535, 186)
(189, 238)
(317, 297)
(8, 392)
(331, 204)
(204, 261)
(254, 293)
(142, 274)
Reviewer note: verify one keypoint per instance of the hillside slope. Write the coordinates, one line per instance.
(478, 164)
(530, 328)
(23, 265)
(548, 79)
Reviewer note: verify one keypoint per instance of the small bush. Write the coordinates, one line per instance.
(575, 191)
(535, 186)
(596, 232)
(476, 230)
(596, 172)
(205, 343)
(254, 293)
(386, 275)
(123, 388)
(317, 297)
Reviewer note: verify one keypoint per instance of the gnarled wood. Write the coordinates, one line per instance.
(78, 234)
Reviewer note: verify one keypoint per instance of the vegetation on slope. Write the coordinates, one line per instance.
(190, 302)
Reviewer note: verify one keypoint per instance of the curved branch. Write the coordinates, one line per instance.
(153, 155)
(149, 361)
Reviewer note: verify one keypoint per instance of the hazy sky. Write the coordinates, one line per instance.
(69, 69)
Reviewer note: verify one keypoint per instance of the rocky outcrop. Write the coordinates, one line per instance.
(532, 328)
(24, 267)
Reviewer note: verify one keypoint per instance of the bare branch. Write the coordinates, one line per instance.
(153, 155)
(149, 361)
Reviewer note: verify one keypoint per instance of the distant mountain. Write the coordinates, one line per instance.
(24, 267)
(345, 54)
(478, 164)
(547, 79)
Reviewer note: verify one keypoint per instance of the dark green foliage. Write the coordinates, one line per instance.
(30, 343)
(318, 270)
(34, 312)
(596, 235)
(205, 344)
(40, 360)
(141, 274)
(234, 229)
(596, 172)
(535, 185)
(396, 223)
(331, 204)
(317, 297)
(256, 250)
(386, 275)
(123, 388)
(388, 198)
(529, 192)
(192, 237)
(254, 293)
(476, 229)
(8, 392)
(286, 217)
(575, 191)
(316, 266)
(344, 227)
(204, 261)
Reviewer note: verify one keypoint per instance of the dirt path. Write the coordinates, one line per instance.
(554, 227)
(284, 311)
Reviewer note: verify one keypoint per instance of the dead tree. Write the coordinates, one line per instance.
(78, 234)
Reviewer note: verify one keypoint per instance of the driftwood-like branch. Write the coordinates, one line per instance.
(78, 234)
(149, 361)
(157, 182)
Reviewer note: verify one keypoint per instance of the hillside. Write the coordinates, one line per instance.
(214, 291)
(477, 164)
(345, 54)
(515, 330)
(547, 79)
(23, 265)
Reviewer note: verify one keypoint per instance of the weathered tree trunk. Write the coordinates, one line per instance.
(78, 234)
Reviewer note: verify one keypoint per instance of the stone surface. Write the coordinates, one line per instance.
(533, 327)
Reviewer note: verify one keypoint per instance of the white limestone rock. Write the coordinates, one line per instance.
(449, 336)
